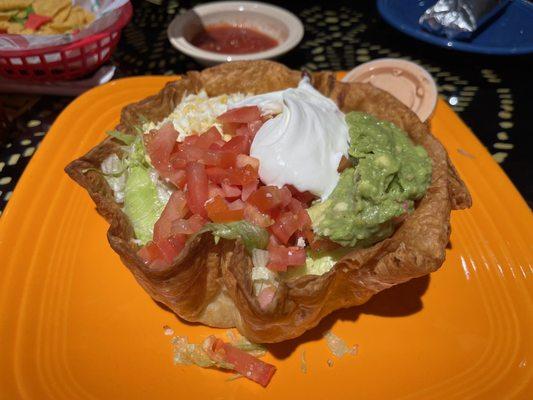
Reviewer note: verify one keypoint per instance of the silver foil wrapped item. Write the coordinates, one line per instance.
(459, 19)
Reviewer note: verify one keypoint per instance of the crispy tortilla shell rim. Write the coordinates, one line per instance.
(210, 283)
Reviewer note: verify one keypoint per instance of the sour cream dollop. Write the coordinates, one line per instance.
(303, 143)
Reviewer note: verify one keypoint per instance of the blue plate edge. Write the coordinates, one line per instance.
(440, 41)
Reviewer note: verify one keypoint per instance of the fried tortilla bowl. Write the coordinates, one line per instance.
(211, 283)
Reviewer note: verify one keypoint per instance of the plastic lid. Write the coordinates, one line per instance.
(405, 80)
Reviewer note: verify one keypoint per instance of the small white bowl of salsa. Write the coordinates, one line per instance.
(218, 32)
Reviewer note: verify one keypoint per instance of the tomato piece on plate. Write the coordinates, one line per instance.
(241, 115)
(197, 190)
(245, 364)
(281, 257)
(176, 208)
(218, 211)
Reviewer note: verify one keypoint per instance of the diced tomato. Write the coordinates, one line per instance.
(273, 241)
(254, 126)
(187, 153)
(281, 257)
(245, 364)
(224, 159)
(188, 226)
(245, 176)
(176, 208)
(206, 139)
(177, 160)
(213, 190)
(216, 174)
(266, 296)
(323, 244)
(241, 114)
(229, 128)
(309, 236)
(178, 242)
(197, 191)
(35, 21)
(190, 140)
(304, 197)
(244, 131)
(170, 247)
(160, 144)
(266, 198)
(230, 191)
(176, 177)
(248, 189)
(218, 211)
(256, 217)
(285, 226)
(244, 160)
(237, 205)
(149, 253)
(343, 164)
(286, 196)
(237, 145)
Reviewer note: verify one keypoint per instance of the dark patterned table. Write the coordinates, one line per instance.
(493, 95)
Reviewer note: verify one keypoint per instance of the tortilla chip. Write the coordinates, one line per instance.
(211, 282)
(50, 7)
(6, 15)
(14, 28)
(62, 15)
(8, 5)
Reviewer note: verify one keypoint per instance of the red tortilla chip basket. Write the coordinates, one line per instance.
(66, 61)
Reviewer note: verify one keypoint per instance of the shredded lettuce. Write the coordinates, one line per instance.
(244, 344)
(135, 183)
(186, 353)
(113, 170)
(253, 236)
(123, 137)
(141, 203)
(338, 346)
(317, 263)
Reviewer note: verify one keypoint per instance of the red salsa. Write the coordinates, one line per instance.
(229, 39)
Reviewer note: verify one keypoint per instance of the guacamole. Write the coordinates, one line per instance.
(389, 173)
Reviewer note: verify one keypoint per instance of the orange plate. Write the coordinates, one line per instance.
(74, 324)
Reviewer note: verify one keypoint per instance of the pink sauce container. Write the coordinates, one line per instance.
(405, 80)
